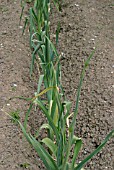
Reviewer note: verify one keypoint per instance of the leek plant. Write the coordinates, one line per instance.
(61, 138)
(57, 110)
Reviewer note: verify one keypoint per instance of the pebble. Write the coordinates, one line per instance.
(15, 85)
(4, 33)
(92, 39)
(12, 49)
(20, 27)
(1, 45)
(76, 5)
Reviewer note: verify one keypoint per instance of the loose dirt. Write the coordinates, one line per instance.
(84, 25)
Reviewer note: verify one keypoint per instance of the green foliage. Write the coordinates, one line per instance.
(55, 148)
(15, 116)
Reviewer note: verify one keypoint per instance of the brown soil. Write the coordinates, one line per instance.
(84, 25)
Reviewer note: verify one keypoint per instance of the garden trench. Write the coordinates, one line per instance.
(84, 25)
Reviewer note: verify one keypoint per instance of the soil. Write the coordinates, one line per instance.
(84, 25)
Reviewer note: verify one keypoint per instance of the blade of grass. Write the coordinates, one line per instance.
(25, 24)
(44, 126)
(20, 97)
(71, 128)
(45, 156)
(77, 148)
(33, 57)
(50, 144)
(27, 115)
(23, 6)
(39, 83)
(43, 92)
(72, 125)
(45, 111)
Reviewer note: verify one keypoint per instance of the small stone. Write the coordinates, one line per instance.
(12, 49)
(1, 45)
(4, 33)
(76, 5)
(15, 85)
(20, 27)
(92, 39)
